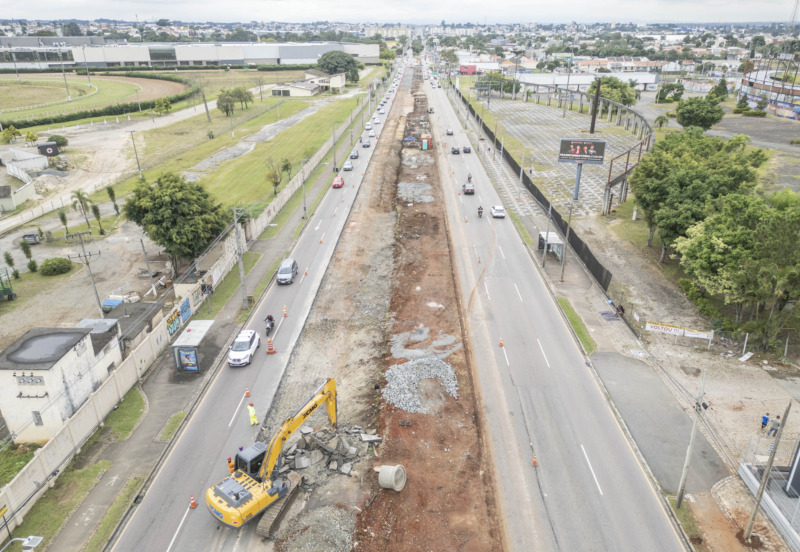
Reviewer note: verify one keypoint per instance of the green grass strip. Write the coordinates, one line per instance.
(13, 459)
(122, 502)
(172, 426)
(128, 413)
(577, 326)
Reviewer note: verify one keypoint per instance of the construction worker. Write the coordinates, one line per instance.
(252, 412)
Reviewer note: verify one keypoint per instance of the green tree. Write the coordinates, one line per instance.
(242, 95)
(71, 29)
(388, 54)
(26, 249)
(112, 195)
(335, 62)
(240, 35)
(81, 201)
(286, 167)
(273, 175)
(8, 134)
(62, 216)
(661, 120)
(96, 214)
(61, 141)
(614, 89)
(683, 171)
(698, 112)
(226, 102)
(163, 23)
(179, 216)
(9, 260)
(31, 137)
(162, 106)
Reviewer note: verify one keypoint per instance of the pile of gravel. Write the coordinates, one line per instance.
(325, 529)
(402, 382)
(414, 192)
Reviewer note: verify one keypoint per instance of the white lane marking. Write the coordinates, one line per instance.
(178, 530)
(507, 363)
(334, 212)
(275, 333)
(475, 248)
(322, 236)
(235, 412)
(317, 226)
(590, 469)
(518, 293)
(544, 355)
(501, 251)
(487, 291)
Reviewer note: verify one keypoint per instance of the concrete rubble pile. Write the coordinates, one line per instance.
(403, 381)
(328, 451)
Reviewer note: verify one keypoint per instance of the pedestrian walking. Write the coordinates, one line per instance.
(252, 412)
(774, 426)
(764, 421)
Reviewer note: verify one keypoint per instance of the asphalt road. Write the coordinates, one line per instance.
(589, 491)
(220, 423)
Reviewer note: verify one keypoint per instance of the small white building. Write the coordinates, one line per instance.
(48, 373)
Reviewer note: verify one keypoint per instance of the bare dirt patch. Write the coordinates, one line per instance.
(373, 312)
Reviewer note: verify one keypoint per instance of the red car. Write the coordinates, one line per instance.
(338, 182)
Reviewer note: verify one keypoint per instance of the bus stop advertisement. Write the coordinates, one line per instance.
(185, 348)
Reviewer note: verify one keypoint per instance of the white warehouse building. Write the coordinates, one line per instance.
(172, 54)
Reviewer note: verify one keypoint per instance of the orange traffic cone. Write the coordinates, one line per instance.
(284, 312)
(320, 240)
(466, 219)
(270, 349)
(306, 271)
(534, 463)
(501, 341)
(246, 391)
(479, 260)
(192, 503)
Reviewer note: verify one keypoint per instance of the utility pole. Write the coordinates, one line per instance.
(86, 258)
(749, 529)
(88, 75)
(569, 72)
(547, 233)
(569, 219)
(63, 74)
(237, 212)
(137, 154)
(521, 164)
(149, 272)
(698, 411)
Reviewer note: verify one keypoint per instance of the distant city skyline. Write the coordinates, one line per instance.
(409, 11)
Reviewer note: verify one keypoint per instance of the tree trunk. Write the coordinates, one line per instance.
(651, 236)
(663, 254)
(85, 216)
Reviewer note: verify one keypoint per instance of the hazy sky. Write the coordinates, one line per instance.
(408, 11)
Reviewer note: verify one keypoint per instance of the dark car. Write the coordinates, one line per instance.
(469, 188)
(467, 149)
(454, 150)
(365, 144)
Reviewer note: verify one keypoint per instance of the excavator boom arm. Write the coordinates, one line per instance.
(325, 394)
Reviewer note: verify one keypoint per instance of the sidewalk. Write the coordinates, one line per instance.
(167, 392)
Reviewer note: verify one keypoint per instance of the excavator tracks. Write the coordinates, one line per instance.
(273, 516)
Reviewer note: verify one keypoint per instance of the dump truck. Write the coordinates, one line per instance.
(254, 484)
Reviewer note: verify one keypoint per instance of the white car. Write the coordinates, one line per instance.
(243, 348)
(368, 126)
(498, 211)
(348, 166)
(372, 134)
(376, 121)
(382, 112)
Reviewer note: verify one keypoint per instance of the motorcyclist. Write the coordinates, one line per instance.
(269, 318)
(469, 177)
(480, 212)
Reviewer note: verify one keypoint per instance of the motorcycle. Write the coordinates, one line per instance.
(480, 212)
(469, 178)
(270, 324)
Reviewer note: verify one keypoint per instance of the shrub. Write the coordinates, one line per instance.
(671, 114)
(15, 274)
(752, 113)
(55, 266)
(794, 141)
(61, 141)
(32, 266)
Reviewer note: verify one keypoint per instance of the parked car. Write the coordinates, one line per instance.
(498, 211)
(348, 166)
(354, 154)
(466, 149)
(243, 348)
(455, 150)
(338, 181)
(449, 131)
(31, 238)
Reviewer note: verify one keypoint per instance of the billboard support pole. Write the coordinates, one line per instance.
(569, 218)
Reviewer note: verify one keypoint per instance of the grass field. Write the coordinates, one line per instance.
(108, 92)
(30, 92)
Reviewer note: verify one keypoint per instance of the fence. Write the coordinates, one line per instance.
(600, 273)
(782, 507)
(40, 473)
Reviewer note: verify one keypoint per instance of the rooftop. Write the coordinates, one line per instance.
(41, 348)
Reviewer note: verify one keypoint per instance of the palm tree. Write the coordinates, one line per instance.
(62, 216)
(112, 195)
(661, 120)
(96, 213)
(81, 198)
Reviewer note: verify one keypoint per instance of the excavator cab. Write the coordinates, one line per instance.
(251, 458)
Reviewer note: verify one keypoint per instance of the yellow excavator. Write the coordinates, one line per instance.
(254, 485)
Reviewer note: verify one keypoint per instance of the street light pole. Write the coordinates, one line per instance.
(136, 153)
(698, 411)
(64, 74)
(569, 72)
(86, 65)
